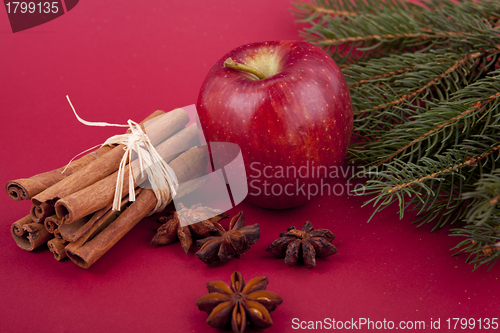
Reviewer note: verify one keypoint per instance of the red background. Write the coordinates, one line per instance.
(124, 59)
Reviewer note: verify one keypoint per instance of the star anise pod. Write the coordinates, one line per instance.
(171, 230)
(228, 244)
(307, 244)
(239, 305)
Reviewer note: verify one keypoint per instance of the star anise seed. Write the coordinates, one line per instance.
(239, 305)
(307, 243)
(171, 231)
(228, 244)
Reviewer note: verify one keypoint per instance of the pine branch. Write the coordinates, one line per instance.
(410, 96)
(486, 199)
(447, 122)
(433, 188)
(428, 78)
(482, 243)
(425, 86)
(476, 108)
(389, 69)
(311, 11)
(487, 9)
(356, 37)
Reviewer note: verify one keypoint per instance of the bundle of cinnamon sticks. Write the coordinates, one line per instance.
(72, 210)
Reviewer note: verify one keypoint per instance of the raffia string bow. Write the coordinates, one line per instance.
(161, 177)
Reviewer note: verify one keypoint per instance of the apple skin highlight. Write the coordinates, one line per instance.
(299, 115)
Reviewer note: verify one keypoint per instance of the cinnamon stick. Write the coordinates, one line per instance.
(198, 181)
(68, 231)
(101, 193)
(108, 163)
(34, 235)
(186, 166)
(100, 220)
(26, 188)
(171, 149)
(17, 227)
(51, 223)
(96, 228)
(94, 249)
(56, 246)
(105, 216)
(99, 217)
(57, 234)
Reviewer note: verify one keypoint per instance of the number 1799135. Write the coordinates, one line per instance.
(32, 7)
(472, 323)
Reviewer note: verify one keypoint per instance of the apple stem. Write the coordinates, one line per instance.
(232, 64)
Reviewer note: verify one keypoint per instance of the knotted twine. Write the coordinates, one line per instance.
(160, 175)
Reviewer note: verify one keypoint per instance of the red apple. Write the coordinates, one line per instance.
(292, 118)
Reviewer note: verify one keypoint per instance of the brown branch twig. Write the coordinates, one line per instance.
(328, 11)
(468, 161)
(434, 81)
(382, 76)
(489, 249)
(494, 200)
(426, 34)
(476, 107)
